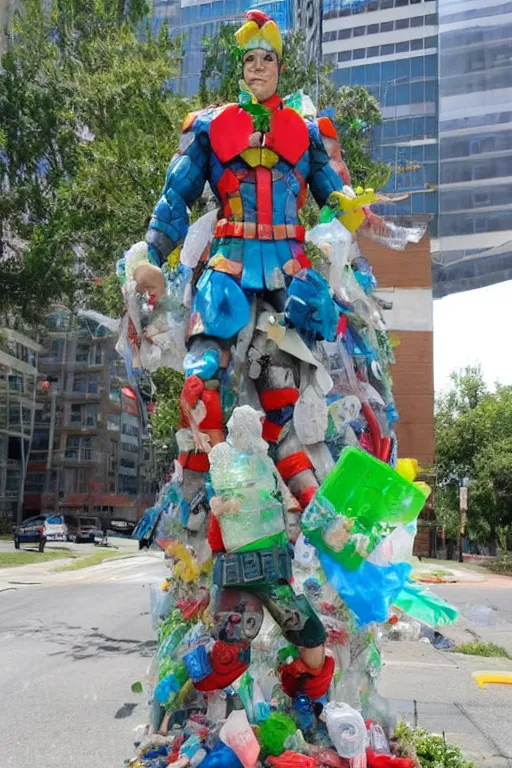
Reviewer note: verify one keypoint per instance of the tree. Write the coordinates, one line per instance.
(474, 439)
(355, 110)
(88, 124)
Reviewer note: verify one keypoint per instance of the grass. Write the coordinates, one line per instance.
(22, 557)
(479, 648)
(86, 562)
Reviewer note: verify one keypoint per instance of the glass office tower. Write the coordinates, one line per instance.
(390, 47)
(475, 139)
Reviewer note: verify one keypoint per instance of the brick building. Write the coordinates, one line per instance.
(405, 280)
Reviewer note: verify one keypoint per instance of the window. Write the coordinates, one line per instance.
(344, 55)
(416, 45)
(75, 416)
(79, 382)
(15, 382)
(359, 53)
(401, 3)
(385, 50)
(358, 31)
(402, 24)
(374, 51)
(372, 29)
(82, 353)
(344, 34)
(72, 448)
(97, 355)
(386, 26)
(91, 415)
(127, 463)
(78, 448)
(402, 47)
(431, 18)
(417, 21)
(40, 440)
(431, 42)
(56, 349)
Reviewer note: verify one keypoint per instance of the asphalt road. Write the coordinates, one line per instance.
(69, 656)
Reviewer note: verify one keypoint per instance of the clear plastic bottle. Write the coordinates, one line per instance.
(347, 731)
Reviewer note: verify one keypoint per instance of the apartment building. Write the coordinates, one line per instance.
(91, 450)
(18, 382)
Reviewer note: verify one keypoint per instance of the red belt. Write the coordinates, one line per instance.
(250, 231)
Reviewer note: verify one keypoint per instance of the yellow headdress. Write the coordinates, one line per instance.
(259, 31)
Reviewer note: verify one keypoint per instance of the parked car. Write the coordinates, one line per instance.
(122, 527)
(55, 529)
(82, 529)
(31, 531)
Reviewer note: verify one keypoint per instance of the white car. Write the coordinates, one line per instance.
(55, 529)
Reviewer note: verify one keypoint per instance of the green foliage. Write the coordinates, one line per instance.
(479, 648)
(356, 111)
(87, 128)
(166, 417)
(430, 750)
(503, 563)
(474, 439)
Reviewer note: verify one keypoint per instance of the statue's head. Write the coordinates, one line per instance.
(261, 45)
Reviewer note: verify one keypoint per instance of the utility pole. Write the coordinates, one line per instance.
(463, 509)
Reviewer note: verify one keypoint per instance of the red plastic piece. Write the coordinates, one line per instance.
(374, 760)
(306, 495)
(298, 678)
(258, 16)
(291, 759)
(342, 325)
(273, 399)
(228, 183)
(264, 199)
(192, 390)
(213, 418)
(303, 260)
(226, 665)
(327, 127)
(385, 448)
(230, 131)
(289, 134)
(196, 462)
(271, 431)
(293, 464)
(214, 534)
(374, 427)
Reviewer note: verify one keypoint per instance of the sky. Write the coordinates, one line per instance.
(472, 327)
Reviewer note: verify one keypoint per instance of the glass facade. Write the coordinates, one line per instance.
(390, 47)
(475, 137)
(197, 21)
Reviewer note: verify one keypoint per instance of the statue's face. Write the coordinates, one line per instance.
(261, 73)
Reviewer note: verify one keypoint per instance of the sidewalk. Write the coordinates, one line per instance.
(478, 720)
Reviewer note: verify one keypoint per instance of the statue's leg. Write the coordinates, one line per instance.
(278, 384)
(312, 671)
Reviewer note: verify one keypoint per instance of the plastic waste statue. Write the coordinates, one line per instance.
(294, 361)
(259, 157)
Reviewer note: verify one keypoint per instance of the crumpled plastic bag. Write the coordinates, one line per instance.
(199, 235)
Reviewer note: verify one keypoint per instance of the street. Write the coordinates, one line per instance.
(73, 645)
(69, 657)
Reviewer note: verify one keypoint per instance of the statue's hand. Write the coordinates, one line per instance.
(149, 279)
